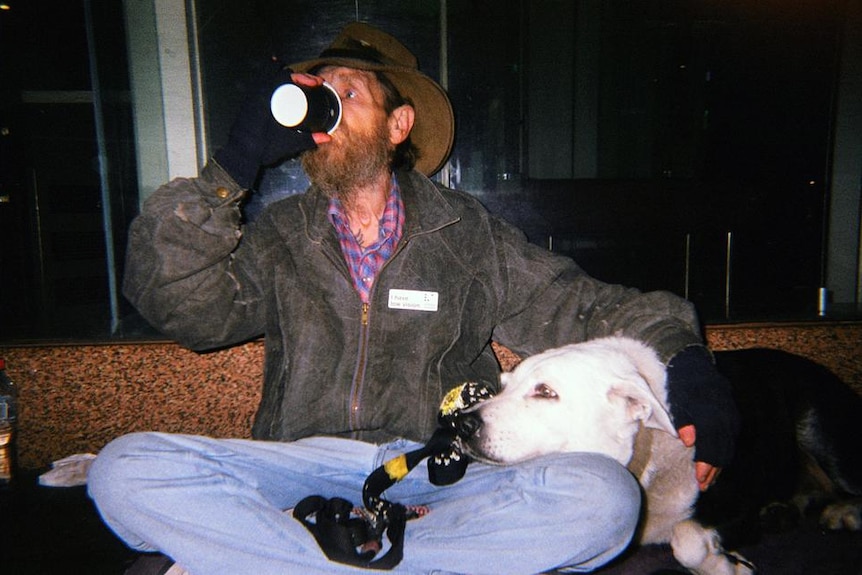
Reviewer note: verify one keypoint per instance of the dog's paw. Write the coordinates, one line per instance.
(692, 544)
(845, 514)
(700, 551)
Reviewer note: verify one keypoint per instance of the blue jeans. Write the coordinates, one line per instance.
(216, 506)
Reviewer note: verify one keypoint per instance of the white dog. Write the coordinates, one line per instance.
(606, 396)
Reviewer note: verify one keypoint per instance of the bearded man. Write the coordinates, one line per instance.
(376, 291)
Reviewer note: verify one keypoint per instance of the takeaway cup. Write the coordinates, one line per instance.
(306, 108)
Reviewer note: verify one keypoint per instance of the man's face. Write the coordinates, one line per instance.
(361, 147)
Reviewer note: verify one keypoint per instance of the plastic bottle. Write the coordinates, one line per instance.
(8, 425)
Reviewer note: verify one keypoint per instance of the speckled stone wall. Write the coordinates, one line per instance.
(76, 398)
(838, 346)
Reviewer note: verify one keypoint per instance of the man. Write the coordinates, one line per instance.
(377, 291)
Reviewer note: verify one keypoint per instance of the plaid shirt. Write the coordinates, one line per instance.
(365, 263)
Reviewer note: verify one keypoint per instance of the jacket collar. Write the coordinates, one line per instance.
(426, 209)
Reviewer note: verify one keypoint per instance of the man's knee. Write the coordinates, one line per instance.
(573, 510)
(598, 490)
(110, 478)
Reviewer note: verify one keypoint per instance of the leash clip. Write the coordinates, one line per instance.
(354, 535)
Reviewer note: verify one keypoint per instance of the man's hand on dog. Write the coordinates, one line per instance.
(704, 472)
(701, 398)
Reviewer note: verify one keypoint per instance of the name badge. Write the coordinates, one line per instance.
(413, 299)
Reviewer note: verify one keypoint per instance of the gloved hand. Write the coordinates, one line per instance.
(699, 395)
(255, 138)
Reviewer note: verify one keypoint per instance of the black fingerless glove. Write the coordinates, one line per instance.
(255, 138)
(699, 395)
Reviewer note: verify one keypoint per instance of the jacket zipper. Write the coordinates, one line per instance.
(359, 375)
(362, 361)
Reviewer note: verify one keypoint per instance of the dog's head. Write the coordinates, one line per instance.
(588, 397)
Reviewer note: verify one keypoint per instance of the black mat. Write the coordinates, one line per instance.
(48, 531)
(806, 550)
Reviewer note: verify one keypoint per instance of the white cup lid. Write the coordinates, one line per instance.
(289, 105)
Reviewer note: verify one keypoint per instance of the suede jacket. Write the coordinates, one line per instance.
(459, 279)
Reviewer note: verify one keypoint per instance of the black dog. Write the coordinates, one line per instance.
(800, 448)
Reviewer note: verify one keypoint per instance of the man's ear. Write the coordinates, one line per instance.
(400, 123)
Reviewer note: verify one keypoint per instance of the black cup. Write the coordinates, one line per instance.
(307, 109)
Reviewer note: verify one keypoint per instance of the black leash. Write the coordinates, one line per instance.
(354, 536)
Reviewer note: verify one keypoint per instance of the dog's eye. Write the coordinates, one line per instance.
(544, 391)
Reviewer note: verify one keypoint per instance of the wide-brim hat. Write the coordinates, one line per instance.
(364, 47)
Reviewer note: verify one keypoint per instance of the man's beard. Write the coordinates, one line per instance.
(357, 161)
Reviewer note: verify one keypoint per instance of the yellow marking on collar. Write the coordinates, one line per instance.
(396, 468)
(452, 400)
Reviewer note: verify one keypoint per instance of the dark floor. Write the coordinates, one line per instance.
(54, 531)
(807, 550)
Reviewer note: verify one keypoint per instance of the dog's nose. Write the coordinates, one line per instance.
(468, 424)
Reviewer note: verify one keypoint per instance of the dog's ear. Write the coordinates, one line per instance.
(642, 405)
